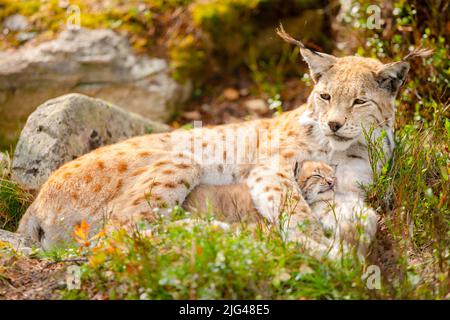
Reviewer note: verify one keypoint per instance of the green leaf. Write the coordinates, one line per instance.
(444, 172)
(447, 126)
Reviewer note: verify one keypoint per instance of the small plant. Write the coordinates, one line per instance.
(276, 105)
(58, 254)
(206, 262)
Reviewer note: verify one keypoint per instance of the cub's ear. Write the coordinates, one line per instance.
(392, 76)
(318, 62)
(298, 168)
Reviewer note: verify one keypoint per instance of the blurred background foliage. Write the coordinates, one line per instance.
(219, 43)
(204, 40)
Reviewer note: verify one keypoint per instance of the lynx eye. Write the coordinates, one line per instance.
(359, 101)
(325, 96)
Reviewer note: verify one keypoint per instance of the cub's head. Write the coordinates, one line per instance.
(352, 93)
(316, 180)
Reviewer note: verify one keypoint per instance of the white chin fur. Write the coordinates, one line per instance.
(340, 145)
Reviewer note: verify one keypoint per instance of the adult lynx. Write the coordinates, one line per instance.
(126, 180)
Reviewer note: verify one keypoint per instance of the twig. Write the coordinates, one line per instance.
(69, 260)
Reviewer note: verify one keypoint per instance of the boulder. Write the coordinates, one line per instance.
(97, 63)
(67, 127)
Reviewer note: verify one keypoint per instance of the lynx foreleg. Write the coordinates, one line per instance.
(277, 197)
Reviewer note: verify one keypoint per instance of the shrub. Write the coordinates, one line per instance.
(13, 199)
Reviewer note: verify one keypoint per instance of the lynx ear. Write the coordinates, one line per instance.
(318, 62)
(392, 76)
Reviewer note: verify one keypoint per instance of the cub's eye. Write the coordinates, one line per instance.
(325, 96)
(359, 101)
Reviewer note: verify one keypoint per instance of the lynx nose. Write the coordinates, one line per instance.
(331, 182)
(334, 125)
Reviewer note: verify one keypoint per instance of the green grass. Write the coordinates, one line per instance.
(13, 199)
(205, 262)
(411, 193)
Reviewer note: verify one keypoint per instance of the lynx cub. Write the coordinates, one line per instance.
(233, 203)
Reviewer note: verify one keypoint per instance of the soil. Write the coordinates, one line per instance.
(31, 279)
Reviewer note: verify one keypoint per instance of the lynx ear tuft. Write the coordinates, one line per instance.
(318, 62)
(418, 52)
(286, 37)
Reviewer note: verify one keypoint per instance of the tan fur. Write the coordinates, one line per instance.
(229, 203)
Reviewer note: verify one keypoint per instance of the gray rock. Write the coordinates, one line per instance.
(98, 63)
(17, 241)
(67, 127)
